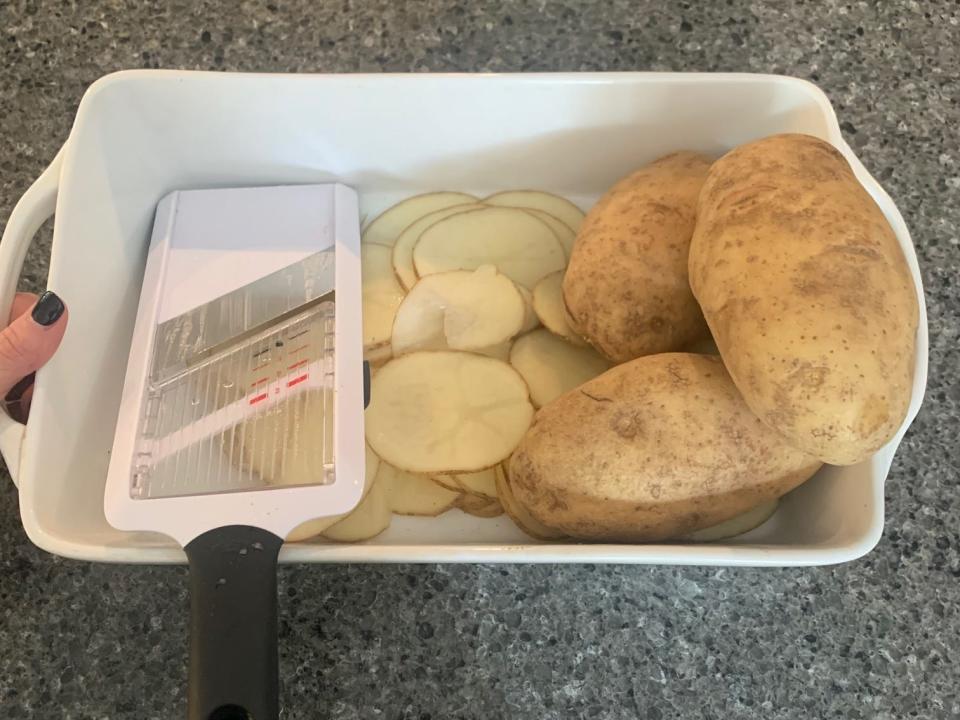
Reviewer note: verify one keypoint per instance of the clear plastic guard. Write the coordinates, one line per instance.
(257, 413)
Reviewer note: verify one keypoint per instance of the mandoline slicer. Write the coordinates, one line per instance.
(249, 320)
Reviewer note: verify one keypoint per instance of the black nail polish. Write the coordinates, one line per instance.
(17, 391)
(48, 309)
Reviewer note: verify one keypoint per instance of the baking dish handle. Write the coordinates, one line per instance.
(33, 209)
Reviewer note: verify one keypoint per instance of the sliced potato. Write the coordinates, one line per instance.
(523, 519)
(551, 366)
(480, 483)
(559, 207)
(314, 527)
(565, 234)
(530, 319)
(479, 506)
(517, 243)
(382, 295)
(446, 412)
(417, 494)
(387, 226)
(370, 518)
(458, 310)
(403, 248)
(737, 525)
(548, 304)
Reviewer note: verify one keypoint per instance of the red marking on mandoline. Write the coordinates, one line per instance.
(297, 380)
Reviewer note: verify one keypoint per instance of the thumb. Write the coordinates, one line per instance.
(30, 340)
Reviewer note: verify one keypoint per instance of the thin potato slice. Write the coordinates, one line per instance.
(368, 519)
(403, 248)
(387, 226)
(417, 494)
(479, 506)
(551, 366)
(559, 207)
(458, 310)
(523, 519)
(446, 412)
(317, 526)
(517, 243)
(737, 525)
(482, 483)
(548, 304)
(530, 319)
(565, 234)
(382, 295)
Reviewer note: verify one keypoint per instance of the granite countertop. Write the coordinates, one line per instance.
(878, 638)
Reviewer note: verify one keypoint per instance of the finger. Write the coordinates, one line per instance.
(30, 340)
(22, 302)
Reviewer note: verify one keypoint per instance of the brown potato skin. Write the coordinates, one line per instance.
(626, 284)
(651, 450)
(808, 295)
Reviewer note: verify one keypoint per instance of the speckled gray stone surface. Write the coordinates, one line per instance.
(878, 638)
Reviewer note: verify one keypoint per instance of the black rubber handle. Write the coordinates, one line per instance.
(233, 625)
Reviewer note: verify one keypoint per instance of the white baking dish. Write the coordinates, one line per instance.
(139, 135)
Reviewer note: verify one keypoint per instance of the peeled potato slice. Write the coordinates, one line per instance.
(565, 234)
(548, 304)
(523, 519)
(530, 319)
(417, 494)
(479, 506)
(314, 527)
(382, 295)
(403, 248)
(482, 483)
(517, 243)
(459, 310)
(737, 525)
(387, 226)
(559, 207)
(446, 412)
(551, 366)
(368, 519)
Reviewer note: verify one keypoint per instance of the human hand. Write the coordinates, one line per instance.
(26, 344)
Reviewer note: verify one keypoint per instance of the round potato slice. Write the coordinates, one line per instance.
(521, 518)
(417, 494)
(446, 412)
(368, 519)
(480, 483)
(737, 525)
(407, 240)
(565, 234)
(382, 295)
(548, 304)
(317, 526)
(551, 366)
(458, 310)
(387, 226)
(559, 207)
(517, 243)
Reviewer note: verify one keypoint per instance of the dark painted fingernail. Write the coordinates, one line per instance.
(48, 309)
(366, 384)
